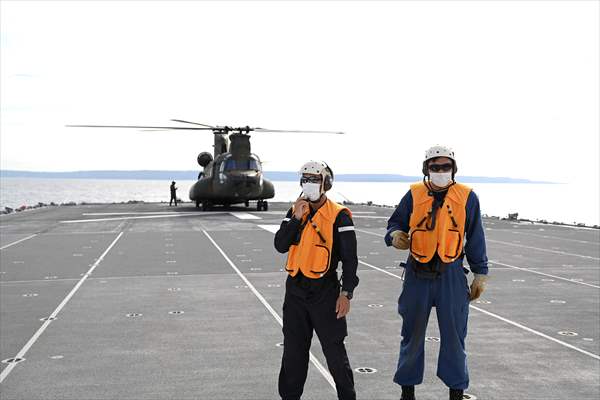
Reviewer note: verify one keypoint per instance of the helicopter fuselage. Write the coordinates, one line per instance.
(234, 175)
(228, 180)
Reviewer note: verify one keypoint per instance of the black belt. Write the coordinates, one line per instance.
(430, 270)
(303, 282)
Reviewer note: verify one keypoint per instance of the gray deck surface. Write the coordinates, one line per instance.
(544, 280)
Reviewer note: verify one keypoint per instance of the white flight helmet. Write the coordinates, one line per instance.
(439, 151)
(319, 168)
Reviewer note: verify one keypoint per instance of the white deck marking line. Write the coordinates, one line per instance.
(363, 212)
(112, 232)
(514, 244)
(119, 227)
(597, 357)
(540, 249)
(163, 276)
(42, 328)
(370, 233)
(542, 273)
(8, 283)
(18, 241)
(244, 215)
(133, 213)
(587, 353)
(74, 221)
(515, 267)
(313, 359)
(553, 237)
(583, 228)
(270, 228)
(518, 325)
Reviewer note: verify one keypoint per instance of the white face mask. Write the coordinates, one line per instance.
(312, 190)
(441, 179)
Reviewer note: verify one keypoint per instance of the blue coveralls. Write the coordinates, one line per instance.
(449, 294)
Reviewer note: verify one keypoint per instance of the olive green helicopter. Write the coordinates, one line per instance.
(233, 175)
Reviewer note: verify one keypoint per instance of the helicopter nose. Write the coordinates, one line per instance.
(245, 181)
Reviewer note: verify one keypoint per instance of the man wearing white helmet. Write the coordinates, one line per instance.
(317, 234)
(439, 222)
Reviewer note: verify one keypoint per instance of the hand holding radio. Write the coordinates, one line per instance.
(301, 207)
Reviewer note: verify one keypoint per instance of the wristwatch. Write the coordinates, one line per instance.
(347, 294)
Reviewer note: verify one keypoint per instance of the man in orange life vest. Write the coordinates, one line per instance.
(317, 233)
(439, 222)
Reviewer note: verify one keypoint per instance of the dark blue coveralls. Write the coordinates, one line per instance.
(448, 293)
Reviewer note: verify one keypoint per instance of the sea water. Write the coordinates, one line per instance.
(568, 203)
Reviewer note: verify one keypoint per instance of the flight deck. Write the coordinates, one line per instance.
(147, 301)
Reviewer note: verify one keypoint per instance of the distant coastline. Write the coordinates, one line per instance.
(272, 175)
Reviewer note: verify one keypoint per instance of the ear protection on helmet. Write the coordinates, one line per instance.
(328, 178)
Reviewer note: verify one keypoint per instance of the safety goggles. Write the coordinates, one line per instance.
(310, 179)
(440, 167)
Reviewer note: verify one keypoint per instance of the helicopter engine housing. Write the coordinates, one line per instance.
(204, 158)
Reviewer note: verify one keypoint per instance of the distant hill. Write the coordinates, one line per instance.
(138, 175)
(272, 175)
(293, 176)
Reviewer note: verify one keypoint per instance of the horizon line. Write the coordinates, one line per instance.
(389, 176)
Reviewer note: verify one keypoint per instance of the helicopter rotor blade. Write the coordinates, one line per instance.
(202, 127)
(193, 123)
(141, 127)
(295, 131)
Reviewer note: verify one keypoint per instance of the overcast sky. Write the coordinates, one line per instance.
(512, 86)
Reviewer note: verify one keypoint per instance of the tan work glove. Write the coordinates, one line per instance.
(478, 286)
(400, 240)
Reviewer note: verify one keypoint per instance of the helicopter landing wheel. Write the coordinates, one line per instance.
(197, 203)
(247, 203)
(262, 205)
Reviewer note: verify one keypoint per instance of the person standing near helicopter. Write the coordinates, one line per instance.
(439, 222)
(173, 194)
(317, 234)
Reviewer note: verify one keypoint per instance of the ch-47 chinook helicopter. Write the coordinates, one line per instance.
(234, 174)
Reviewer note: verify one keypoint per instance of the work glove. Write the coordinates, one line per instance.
(478, 286)
(400, 240)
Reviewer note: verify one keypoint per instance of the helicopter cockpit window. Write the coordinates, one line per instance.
(237, 165)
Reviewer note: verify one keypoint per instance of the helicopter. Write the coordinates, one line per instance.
(232, 174)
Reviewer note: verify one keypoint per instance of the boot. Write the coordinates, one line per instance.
(408, 393)
(456, 394)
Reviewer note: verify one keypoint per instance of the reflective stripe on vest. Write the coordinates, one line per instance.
(447, 237)
(312, 255)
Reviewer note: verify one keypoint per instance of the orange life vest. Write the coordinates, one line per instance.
(447, 237)
(312, 255)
